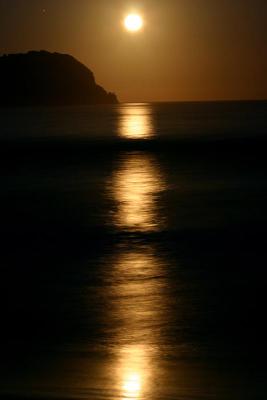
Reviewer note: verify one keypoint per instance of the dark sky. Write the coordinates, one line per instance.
(188, 49)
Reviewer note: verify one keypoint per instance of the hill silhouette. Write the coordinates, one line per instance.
(43, 78)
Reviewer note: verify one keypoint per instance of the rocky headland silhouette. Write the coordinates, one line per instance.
(40, 78)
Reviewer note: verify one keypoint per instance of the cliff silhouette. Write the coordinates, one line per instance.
(42, 78)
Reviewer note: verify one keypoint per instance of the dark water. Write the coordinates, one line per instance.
(133, 252)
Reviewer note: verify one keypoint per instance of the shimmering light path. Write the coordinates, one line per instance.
(136, 187)
(135, 121)
(126, 272)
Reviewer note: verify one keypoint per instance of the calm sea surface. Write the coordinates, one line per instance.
(133, 252)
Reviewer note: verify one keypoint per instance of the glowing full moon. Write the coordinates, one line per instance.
(133, 22)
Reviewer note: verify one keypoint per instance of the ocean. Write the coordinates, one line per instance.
(133, 252)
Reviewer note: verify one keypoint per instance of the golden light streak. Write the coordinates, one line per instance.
(135, 186)
(135, 122)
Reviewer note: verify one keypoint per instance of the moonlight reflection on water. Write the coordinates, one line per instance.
(135, 121)
(136, 186)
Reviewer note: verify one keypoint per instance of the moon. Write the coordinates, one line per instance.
(133, 23)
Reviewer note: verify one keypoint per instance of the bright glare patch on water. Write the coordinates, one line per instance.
(132, 386)
(136, 121)
(135, 187)
(134, 370)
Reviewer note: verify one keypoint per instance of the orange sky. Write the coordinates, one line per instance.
(188, 49)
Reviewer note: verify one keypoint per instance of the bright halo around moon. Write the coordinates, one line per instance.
(133, 22)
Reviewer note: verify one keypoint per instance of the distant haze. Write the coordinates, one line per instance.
(188, 49)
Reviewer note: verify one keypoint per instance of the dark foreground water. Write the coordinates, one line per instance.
(133, 252)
